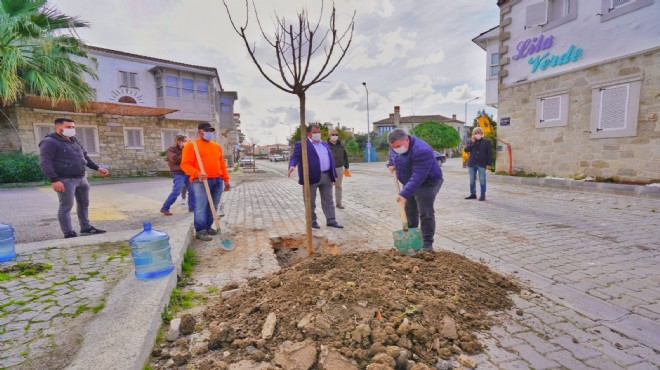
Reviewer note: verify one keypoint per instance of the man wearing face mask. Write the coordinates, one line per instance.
(63, 160)
(341, 160)
(216, 176)
(179, 178)
(418, 170)
(481, 156)
(322, 174)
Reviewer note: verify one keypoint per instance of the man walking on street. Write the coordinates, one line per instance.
(417, 169)
(341, 160)
(215, 174)
(322, 174)
(63, 161)
(180, 179)
(481, 156)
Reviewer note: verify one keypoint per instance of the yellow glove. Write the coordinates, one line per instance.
(347, 173)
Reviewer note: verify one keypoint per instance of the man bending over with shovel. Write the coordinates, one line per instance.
(418, 171)
(214, 173)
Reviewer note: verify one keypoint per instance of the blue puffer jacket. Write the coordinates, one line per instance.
(416, 167)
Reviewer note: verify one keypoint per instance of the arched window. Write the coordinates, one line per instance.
(127, 99)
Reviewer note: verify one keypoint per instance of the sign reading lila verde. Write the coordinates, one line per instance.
(536, 45)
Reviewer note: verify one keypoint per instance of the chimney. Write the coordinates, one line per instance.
(396, 117)
(397, 109)
(453, 117)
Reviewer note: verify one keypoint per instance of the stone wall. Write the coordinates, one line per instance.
(9, 141)
(112, 149)
(569, 151)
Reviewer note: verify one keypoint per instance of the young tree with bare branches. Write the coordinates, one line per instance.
(298, 67)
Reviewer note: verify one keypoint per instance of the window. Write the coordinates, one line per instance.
(615, 107)
(172, 86)
(202, 90)
(188, 88)
(613, 8)
(226, 104)
(128, 79)
(550, 13)
(168, 137)
(133, 138)
(127, 100)
(385, 129)
(87, 135)
(552, 109)
(494, 64)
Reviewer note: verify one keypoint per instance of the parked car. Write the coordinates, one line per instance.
(246, 161)
(276, 158)
(440, 157)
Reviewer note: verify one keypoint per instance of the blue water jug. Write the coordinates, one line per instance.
(150, 250)
(7, 243)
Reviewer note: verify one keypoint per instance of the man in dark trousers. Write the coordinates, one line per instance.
(63, 161)
(341, 160)
(418, 170)
(481, 156)
(322, 174)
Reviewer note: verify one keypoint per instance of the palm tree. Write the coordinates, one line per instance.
(40, 54)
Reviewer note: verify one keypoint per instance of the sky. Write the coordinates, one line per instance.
(416, 54)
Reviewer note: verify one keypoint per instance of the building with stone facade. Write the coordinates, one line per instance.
(578, 87)
(141, 104)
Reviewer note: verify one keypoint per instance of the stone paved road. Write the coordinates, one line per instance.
(590, 260)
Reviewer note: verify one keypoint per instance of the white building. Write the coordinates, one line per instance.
(577, 86)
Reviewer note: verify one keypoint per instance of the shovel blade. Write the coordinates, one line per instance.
(226, 244)
(408, 242)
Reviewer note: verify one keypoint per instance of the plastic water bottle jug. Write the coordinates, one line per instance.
(7, 243)
(150, 250)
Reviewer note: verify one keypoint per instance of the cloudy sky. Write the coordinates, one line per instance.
(417, 54)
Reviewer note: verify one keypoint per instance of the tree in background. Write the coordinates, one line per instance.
(36, 46)
(438, 135)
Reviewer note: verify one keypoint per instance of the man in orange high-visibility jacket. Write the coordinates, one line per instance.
(215, 174)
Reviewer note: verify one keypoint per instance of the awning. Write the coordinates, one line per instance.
(39, 102)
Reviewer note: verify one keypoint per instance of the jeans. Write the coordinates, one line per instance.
(203, 216)
(78, 189)
(179, 180)
(482, 179)
(419, 210)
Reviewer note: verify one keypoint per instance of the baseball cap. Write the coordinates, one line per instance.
(205, 126)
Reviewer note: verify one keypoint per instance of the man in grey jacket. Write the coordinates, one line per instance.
(63, 161)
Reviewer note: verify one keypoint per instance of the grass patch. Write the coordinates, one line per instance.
(181, 300)
(80, 310)
(23, 269)
(189, 262)
(17, 302)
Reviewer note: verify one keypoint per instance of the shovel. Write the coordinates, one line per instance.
(408, 240)
(224, 244)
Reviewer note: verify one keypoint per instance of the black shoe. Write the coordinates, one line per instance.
(335, 224)
(71, 234)
(472, 196)
(91, 231)
(482, 197)
(315, 225)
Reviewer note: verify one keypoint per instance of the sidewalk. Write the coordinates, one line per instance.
(590, 260)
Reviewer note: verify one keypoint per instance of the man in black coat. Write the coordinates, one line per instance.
(341, 160)
(481, 156)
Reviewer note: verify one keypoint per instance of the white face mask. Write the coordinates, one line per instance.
(316, 136)
(209, 135)
(478, 137)
(334, 137)
(400, 150)
(68, 132)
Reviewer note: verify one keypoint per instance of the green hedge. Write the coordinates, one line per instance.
(19, 167)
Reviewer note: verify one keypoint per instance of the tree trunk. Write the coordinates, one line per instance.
(305, 164)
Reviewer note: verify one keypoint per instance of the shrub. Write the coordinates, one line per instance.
(19, 167)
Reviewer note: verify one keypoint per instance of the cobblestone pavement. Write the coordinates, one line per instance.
(43, 313)
(590, 260)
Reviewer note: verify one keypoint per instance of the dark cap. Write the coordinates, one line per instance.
(205, 126)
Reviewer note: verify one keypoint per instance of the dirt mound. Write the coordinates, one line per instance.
(357, 309)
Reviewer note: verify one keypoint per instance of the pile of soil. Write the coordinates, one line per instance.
(375, 310)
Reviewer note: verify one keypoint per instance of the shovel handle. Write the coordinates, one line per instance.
(402, 209)
(206, 186)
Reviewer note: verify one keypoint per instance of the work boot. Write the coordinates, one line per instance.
(211, 231)
(203, 236)
(472, 196)
(91, 231)
(482, 197)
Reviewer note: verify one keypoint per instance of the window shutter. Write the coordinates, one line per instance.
(613, 107)
(86, 137)
(551, 109)
(168, 137)
(536, 14)
(618, 3)
(132, 80)
(124, 78)
(42, 131)
(133, 138)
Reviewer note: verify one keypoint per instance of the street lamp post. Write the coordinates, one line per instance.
(465, 123)
(368, 127)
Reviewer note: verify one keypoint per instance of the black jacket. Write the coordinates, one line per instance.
(481, 153)
(339, 154)
(62, 158)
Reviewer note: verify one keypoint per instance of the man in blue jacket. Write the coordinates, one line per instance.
(481, 156)
(322, 174)
(421, 176)
(63, 161)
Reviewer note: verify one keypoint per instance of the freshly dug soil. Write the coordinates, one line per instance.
(369, 307)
